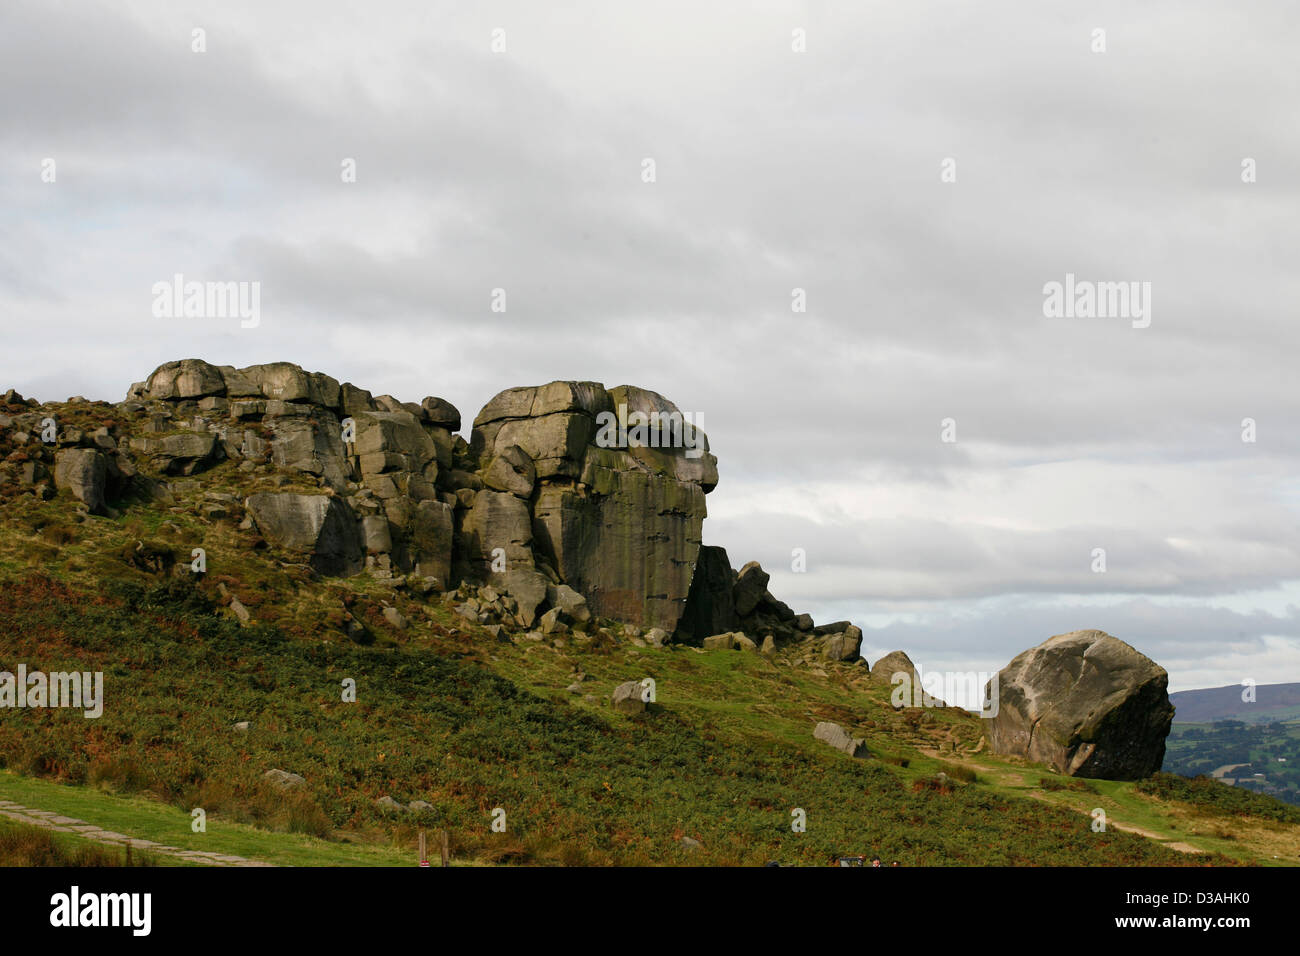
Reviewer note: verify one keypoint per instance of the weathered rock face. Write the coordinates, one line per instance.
(390, 464)
(83, 472)
(1086, 704)
(572, 500)
(614, 512)
(317, 526)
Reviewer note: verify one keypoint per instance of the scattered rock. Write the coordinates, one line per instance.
(241, 613)
(570, 603)
(719, 642)
(284, 780)
(837, 737)
(627, 698)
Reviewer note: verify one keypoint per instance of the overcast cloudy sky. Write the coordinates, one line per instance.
(774, 169)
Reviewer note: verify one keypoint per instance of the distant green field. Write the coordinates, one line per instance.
(1269, 754)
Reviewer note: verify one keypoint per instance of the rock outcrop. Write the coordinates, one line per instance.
(1085, 704)
(721, 600)
(586, 499)
(568, 498)
(321, 528)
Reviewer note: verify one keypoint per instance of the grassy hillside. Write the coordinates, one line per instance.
(449, 715)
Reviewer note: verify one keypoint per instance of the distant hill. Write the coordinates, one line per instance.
(1280, 702)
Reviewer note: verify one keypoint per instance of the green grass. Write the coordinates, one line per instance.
(148, 819)
(23, 845)
(1211, 797)
(723, 757)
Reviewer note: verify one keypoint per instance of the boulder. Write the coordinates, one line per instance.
(498, 519)
(511, 470)
(845, 646)
(186, 379)
(719, 642)
(895, 662)
(82, 471)
(550, 623)
(183, 454)
(375, 536)
(1084, 703)
(528, 588)
(284, 780)
(242, 614)
(312, 446)
(837, 737)
(571, 604)
(710, 603)
(751, 585)
(318, 527)
(396, 441)
(238, 385)
(441, 413)
(353, 400)
(289, 383)
(627, 698)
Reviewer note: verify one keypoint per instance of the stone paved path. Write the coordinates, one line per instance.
(61, 824)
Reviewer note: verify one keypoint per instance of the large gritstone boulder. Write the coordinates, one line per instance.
(317, 527)
(614, 501)
(1085, 704)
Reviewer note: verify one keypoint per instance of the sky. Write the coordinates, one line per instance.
(650, 183)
